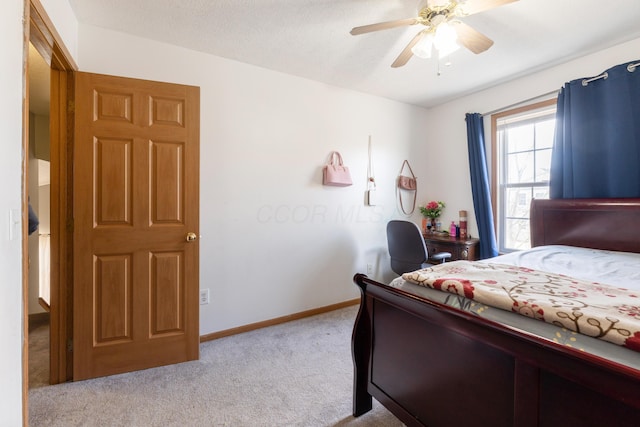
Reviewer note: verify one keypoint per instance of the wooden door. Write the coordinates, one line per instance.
(136, 184)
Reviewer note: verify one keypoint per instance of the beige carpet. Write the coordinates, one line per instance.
(295, 374)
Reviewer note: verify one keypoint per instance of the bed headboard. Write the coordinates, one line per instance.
(612, 224)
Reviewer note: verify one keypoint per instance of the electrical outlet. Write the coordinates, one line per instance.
(204, 296)
(369, 269)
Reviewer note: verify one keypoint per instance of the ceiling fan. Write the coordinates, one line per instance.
(442, 28)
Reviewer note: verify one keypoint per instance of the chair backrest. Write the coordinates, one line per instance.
(406, 246)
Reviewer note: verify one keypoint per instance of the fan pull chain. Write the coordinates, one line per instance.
(446, 64)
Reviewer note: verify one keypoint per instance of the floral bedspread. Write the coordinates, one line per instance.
(597, 310)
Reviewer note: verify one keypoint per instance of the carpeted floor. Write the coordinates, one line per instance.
(295, 374)
(38, 351)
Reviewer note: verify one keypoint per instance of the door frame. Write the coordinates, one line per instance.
(40, 31)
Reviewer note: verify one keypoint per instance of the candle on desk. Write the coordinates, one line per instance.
(463, 224)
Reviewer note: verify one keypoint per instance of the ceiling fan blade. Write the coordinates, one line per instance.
(406, 54)
(383, 26)
(470, 38)
(476, 6)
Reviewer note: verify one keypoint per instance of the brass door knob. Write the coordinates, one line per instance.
(191, 237)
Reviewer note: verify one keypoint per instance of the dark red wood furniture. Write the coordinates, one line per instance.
(434, 365)
(460, 249)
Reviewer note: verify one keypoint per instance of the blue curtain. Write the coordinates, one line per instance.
(480, 186)
(596, 151)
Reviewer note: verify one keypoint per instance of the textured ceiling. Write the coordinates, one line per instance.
(310, 38)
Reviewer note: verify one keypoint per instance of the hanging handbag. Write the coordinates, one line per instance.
(407, 183)
(335, 173)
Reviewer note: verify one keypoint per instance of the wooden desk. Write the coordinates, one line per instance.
(460, 249)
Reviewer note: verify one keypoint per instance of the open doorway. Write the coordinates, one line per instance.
(39, 240)
(57, 224)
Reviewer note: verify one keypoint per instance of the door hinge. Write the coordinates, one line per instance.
(69, 346)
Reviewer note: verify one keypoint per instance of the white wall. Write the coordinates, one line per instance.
(274, 240)
(11, 333)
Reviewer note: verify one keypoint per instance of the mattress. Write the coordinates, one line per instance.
(620, 269)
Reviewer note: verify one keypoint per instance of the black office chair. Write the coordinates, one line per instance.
(407, 248)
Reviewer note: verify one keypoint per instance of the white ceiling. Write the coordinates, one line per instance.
(310, 38)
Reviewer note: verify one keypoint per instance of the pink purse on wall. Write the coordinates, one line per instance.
(335, 173)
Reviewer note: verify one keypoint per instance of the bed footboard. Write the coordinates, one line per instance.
(434, 365)
(361, 352)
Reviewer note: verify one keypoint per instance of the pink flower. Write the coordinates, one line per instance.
(432, 210)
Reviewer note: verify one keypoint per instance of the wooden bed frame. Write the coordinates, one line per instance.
(434, 365)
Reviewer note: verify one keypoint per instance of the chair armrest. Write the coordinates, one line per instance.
(441, 256)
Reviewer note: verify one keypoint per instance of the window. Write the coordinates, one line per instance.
(523, 139)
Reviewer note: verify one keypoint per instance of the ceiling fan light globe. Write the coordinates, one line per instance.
(423, 48)
(445, 37)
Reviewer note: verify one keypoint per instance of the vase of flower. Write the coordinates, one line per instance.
(431, 212)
